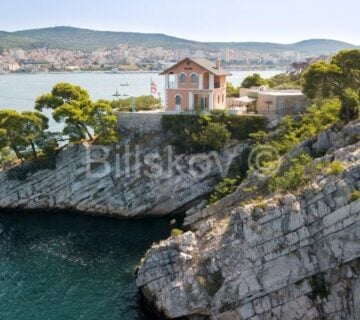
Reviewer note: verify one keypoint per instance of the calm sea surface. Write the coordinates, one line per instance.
(55, 267)
(19, 91)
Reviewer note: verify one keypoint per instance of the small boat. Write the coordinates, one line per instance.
(124, 84)
(113, 71)
(125, 95)
(117, 94)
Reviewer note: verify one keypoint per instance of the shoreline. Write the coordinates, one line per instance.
(127, 72)
(77, 213)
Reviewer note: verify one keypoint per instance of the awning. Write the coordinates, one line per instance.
(244, 100)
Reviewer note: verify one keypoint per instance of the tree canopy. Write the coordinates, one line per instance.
(231, 91)
(25, 134)
(338, 78)
(21, 131)
(71, 105)
(255, 80)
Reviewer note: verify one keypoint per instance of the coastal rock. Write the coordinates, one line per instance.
(142, 176)
(295, 257)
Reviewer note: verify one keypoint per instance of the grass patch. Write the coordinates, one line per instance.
(175, 233)
(335, 168)
(355, 195)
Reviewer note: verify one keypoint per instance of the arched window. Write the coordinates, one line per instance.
(182, 78)
(218, 99)
(178, 100)
(194, 78)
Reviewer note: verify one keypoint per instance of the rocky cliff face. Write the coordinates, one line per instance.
(144, 178)
(296, 256)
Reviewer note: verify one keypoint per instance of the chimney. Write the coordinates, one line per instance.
(218, 63)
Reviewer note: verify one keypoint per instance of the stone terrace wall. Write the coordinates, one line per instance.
(139, 122)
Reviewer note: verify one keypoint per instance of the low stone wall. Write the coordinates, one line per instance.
(139, 122)
(146, 122)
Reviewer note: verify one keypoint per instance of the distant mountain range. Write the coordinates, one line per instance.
(89, 40)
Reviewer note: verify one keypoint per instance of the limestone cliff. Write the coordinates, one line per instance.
(295, 256)
(145, 177)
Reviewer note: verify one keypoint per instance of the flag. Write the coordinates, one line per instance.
(153, 87)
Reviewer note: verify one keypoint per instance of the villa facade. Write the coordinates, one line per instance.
(195, 84)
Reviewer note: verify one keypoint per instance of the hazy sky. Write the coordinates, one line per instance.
(205, 20)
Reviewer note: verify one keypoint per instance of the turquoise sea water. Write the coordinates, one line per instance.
(55, 266)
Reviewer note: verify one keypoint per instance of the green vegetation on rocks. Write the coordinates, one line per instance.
(25, 135)
(340, 78)
(335, 168)
(355, 195)
(206, 132)
(71, 105)
(225, 187)
(176, 233)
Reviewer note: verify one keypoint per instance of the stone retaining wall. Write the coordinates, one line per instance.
(140, 122)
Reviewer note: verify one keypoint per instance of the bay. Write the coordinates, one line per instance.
(19, 91)
(61, 266)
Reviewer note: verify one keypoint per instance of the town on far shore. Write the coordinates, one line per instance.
(125, 58)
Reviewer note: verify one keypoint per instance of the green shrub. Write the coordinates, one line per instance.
(335, 168)
(242, 126)
(355, 195)
(176, 233)
(212, 137)
(298, 174)
(291, 131)
(319, 286)
(200, 132)
(355, 138)
(225, 187)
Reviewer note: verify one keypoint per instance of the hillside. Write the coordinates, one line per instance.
(88, 40)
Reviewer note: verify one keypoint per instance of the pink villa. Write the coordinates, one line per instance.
(195, 84)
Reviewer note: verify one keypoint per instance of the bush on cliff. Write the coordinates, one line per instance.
(335, 168)
(200, 132)
(176, 233)
(291, 131)
(225, 187)
(298, 174)
(355, 195)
